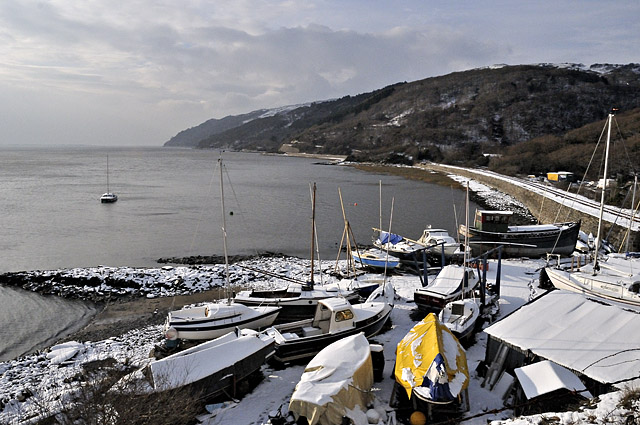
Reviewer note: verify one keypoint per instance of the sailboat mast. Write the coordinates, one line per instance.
(380, 205)
(313, 228)
(466, 225)
(224, 236)
(108, 174)
(604, 189)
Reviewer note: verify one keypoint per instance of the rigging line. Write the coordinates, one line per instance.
(243, 218)
(624, 147)
(386, 261)
(586, 172)
(618, 215)
(455, 214)
(612, 355)
(202, 211)
(631, 219)
(272, 274)
(555, 244)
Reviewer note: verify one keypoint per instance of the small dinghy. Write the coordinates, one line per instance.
(376, 259)
(460, 317)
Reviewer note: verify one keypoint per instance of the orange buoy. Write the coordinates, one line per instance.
(417, 418)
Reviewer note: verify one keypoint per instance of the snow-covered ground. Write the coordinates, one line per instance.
(49, 375)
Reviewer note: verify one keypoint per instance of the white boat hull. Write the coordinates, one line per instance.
(214, 320)
(607, 287)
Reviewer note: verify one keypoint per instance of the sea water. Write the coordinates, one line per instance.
(170, 206)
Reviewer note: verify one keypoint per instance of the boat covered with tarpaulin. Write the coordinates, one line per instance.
(336, 383)
(431, 364)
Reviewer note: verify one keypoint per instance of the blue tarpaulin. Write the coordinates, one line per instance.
(390, 237)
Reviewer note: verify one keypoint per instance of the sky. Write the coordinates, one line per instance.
(135, 73)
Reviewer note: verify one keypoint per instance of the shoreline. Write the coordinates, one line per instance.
(118, 313)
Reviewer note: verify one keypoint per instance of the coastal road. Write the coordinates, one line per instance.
(619, 216)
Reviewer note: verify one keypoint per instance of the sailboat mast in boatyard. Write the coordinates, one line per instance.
(313, 229)
(224, 237)
(602, 197)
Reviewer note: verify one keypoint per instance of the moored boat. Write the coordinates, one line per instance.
(376, 259)
(335, 318)
(295, 301)
(612, 277)
(460, 317)
(216, 319)
(108, 197)
(617, 279)
(452, 282)
(492, 229)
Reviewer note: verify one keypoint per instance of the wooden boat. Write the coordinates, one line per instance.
(336, 383)
(460, 317)
(108, 197)
(431, 365)
(215, 319)
(492, 229)
(209, 369)
(613, 277)
(335, 318)
(451, 283)
(375, 259)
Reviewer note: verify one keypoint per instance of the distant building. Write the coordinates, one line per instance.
(289, 148)
(560, 176)
(610, 183)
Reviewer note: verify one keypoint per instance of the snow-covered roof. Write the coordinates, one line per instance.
(545, 377)
(595, 339)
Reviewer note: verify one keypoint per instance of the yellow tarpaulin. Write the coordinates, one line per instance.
(431, 362)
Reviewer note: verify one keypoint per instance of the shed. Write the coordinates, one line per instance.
(590, 338)
(546, 386)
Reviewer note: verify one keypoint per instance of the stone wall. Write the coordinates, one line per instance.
(546, 210)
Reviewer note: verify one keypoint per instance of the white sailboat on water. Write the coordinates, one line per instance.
(108, 197)
(614, 277)
(216, 319)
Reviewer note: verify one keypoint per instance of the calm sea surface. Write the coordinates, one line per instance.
(169, 205)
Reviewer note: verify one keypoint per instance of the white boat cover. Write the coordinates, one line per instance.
(544, 377)
(447, 282)
(598, 340)
(337, 382)
(205, 359)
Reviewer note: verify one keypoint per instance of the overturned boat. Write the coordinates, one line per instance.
(206, 370)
